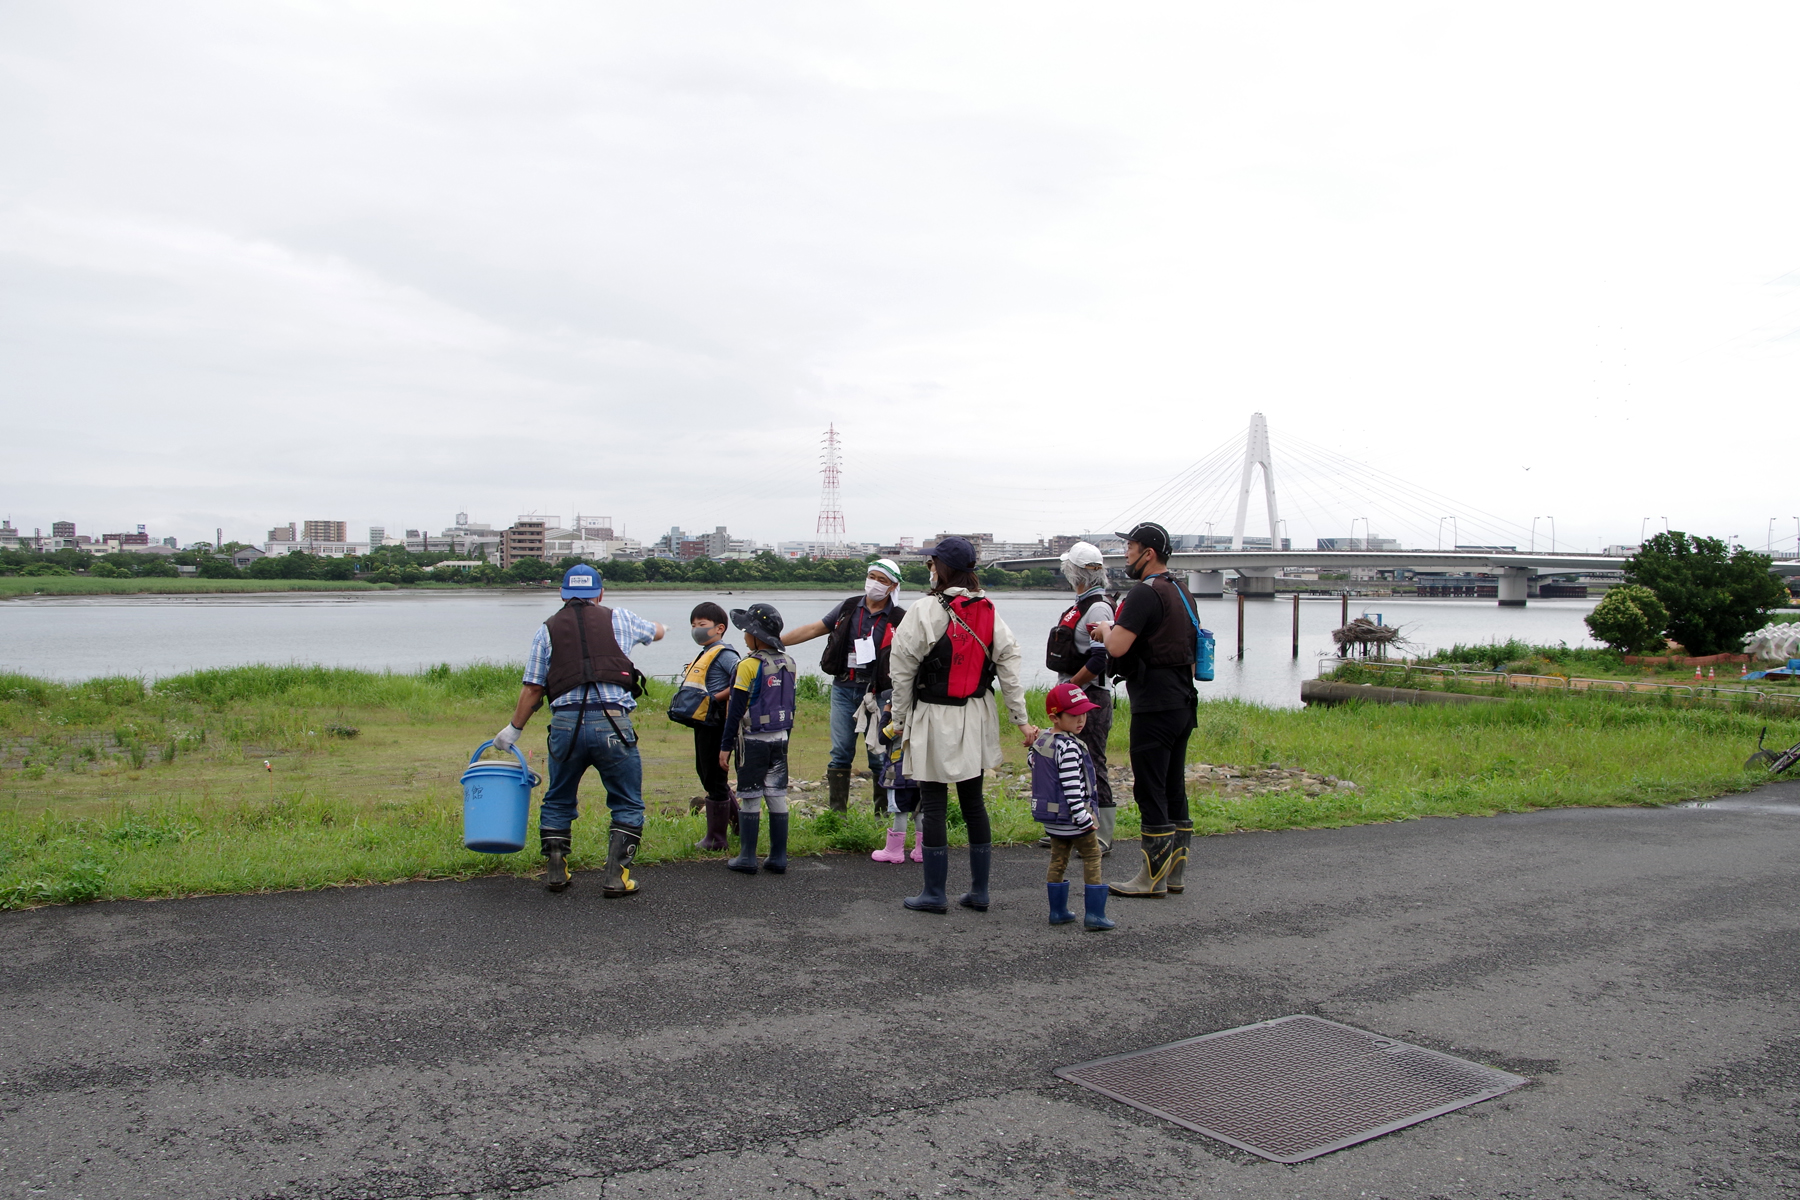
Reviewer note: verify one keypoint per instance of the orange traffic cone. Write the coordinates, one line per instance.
(1710, 674)
(1696, 672)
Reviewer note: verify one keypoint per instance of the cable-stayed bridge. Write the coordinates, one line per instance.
(1222, 486)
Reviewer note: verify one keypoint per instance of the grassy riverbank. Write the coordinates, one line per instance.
(294, 777)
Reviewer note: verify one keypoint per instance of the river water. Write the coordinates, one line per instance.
(73, 638)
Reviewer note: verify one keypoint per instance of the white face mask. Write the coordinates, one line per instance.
(877, 589)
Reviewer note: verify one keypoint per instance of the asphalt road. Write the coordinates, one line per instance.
(803, 1035)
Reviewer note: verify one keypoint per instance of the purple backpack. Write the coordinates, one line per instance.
(1048, 804)
(771, 707)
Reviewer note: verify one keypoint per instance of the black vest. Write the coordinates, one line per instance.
(836, 659)
(584, 650)
(1173, 643)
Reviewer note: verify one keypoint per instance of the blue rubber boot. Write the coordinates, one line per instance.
(778, 829)
(749, 826)
(1096, 908)
(1059, 903)
(981, 858)
(937, 869)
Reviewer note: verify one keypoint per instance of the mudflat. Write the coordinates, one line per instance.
(722, 1035)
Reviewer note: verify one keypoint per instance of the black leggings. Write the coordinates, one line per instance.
(1159, 764)
(934, 803)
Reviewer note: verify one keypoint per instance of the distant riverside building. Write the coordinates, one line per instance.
(325, 531)
(322, 549)
(283, 533)
(140, 538)
(525, 539)
(377, 537)
(62, 529)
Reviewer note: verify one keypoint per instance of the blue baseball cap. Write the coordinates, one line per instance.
(957, 553)
(582, 582)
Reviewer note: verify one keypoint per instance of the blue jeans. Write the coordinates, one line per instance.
(846, 698)
(596, 746)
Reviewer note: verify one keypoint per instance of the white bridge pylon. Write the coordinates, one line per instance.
(1256, 454)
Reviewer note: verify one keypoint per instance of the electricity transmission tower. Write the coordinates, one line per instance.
(831, 512)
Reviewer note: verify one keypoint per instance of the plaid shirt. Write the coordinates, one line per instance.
(630, 630)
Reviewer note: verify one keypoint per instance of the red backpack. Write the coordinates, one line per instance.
(960, 666)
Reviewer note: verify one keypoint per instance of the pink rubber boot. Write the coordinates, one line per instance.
(894, 851)
(918, 854)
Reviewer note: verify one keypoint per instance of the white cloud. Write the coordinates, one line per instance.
(380, 263)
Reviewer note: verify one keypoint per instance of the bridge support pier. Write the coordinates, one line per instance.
(1256, 583)
(1207, 585)
(1515, 583)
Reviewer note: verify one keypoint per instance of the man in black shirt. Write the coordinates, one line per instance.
(1156, 636)
(857, 627)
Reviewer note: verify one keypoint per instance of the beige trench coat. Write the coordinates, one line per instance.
(946, 743)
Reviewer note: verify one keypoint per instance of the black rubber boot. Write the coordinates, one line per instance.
(555, 844)
(1096, 918)
(749, 829)
(881, 811)
(621, 851)
(1059, 903)
(937, 870)
(981, 858)
(838, 780)
(1184, 836)
(1152, 879)
(778, 829)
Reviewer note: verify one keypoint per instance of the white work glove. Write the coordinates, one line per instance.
(506, 737)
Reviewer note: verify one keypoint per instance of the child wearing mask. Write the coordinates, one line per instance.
(757, 724)
(700, 703)
(1062, 798)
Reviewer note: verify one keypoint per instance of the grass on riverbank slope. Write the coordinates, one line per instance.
(113, 788)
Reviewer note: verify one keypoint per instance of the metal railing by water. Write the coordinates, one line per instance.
(1562, 683)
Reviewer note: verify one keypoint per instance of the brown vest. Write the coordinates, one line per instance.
(1173, 642)
(584, 650)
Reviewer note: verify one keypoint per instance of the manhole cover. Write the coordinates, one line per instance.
(1292, 1088)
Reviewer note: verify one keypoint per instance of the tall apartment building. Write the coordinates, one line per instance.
(377, 537)
(325, 531)
(62, 529)
(282, 533)
(525, 539)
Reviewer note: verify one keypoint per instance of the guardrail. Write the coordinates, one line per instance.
(1580, 684)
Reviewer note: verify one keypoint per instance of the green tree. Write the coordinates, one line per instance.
(158, 569)
(1629, 619)
(218, 568)
(529, 570)
(1714, 596)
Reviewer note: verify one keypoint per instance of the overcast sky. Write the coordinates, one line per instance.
(382, 262)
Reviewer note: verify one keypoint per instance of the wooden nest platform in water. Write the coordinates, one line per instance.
(1363, 636)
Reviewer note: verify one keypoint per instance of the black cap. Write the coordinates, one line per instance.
(1149, 535)
(954, 552)
(761, 621)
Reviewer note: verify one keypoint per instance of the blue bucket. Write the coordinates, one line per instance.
(496, 803)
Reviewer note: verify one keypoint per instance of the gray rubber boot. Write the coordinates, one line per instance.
(778, 831)
(838, 779)
(1152, 879)
(1104, 821)
(749, 829)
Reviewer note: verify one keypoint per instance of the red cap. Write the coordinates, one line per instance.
(1067, 698)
